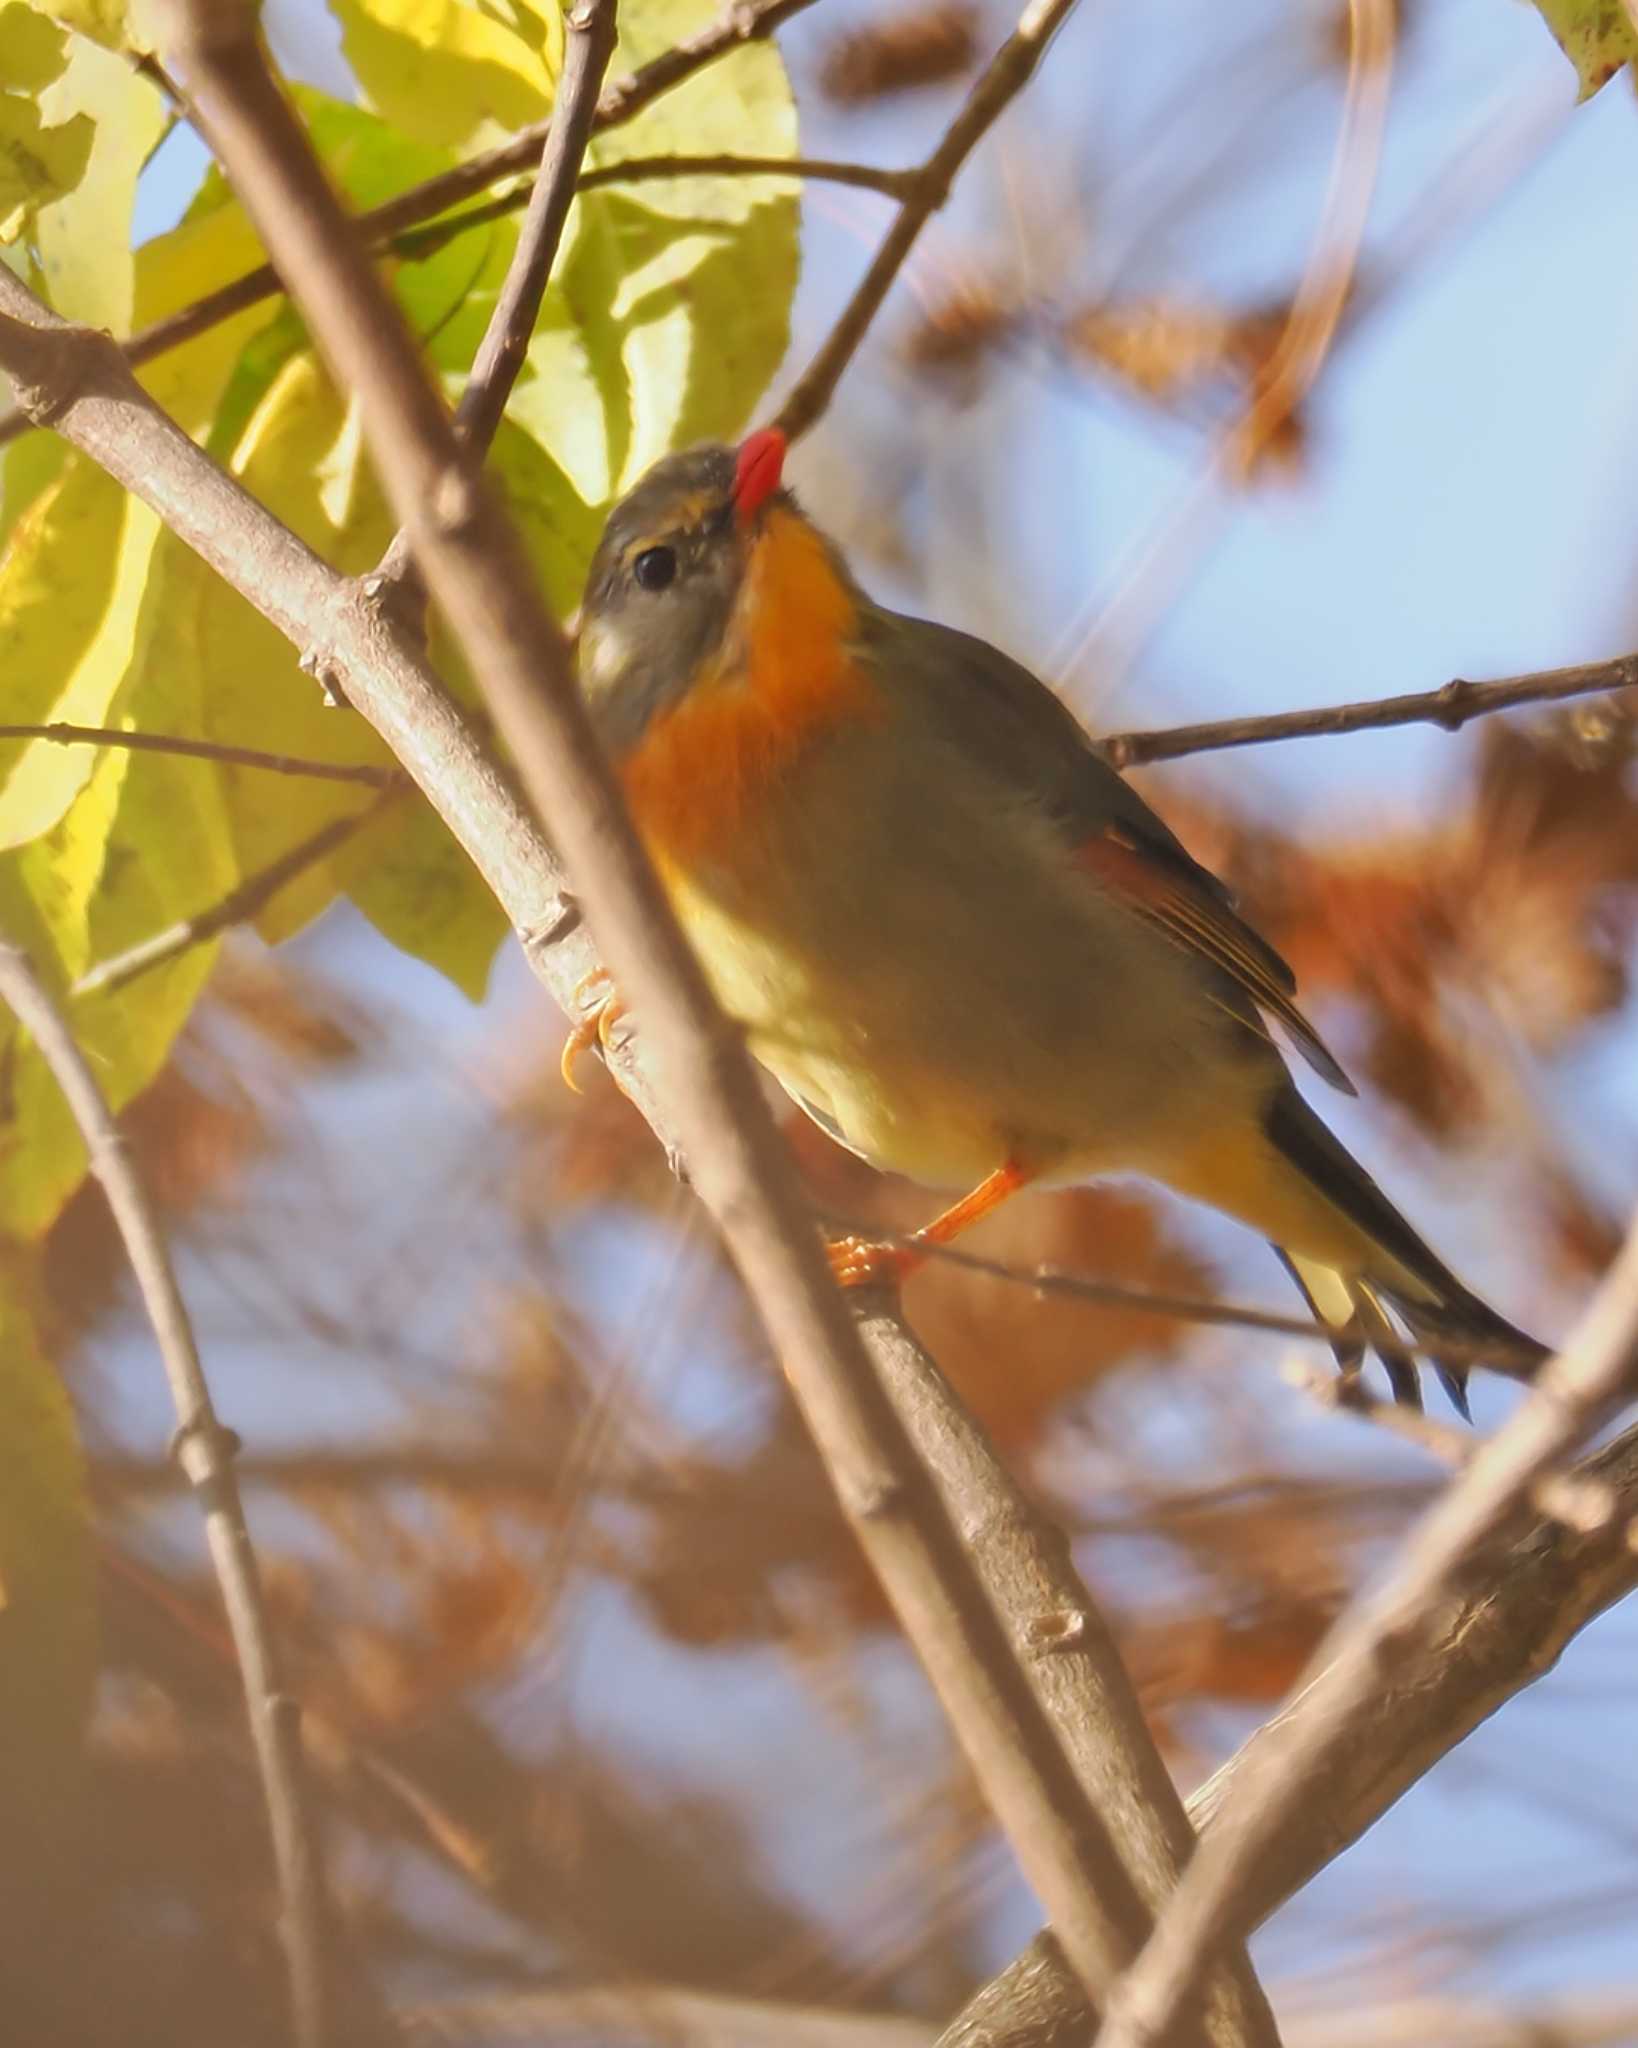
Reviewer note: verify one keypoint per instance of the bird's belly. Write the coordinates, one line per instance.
(938, 1038)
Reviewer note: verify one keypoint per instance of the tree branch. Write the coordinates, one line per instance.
(1010, 70)
(643, 170)
(741, 21)
(1450, 706)
(206, 1452)
(1184, 1308)
(483, 584)
(589, 26)
(60, 734)
(1506, 1626)
(1580, 1389)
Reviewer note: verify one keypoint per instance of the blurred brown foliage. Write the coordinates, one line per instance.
(927, 45)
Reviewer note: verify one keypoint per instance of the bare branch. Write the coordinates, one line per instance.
(206, 1452)
(60, 734)
(589, 27)
(642, 170)
(1450, 706)
(1506, 1627)
(1589, 1380)
(741, 21)
(476, 571)
(1010, 70)
(1184, 1308)
(243, 902)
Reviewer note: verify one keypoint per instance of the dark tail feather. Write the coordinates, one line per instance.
(1435, 1306)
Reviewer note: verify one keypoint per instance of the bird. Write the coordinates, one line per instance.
(949, 928)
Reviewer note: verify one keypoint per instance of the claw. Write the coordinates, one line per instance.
(856, 1262)
(597, 1023)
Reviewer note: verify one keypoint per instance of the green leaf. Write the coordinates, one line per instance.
(37, 163)
(47, 1586)
(84, 239)
(448, 71)
(1598, 37)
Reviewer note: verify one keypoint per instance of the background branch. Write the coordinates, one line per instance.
(60, 734)
(206, 1452)
(243, 902)
(1451, 706)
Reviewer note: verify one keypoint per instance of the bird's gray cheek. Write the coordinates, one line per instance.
(617, 681)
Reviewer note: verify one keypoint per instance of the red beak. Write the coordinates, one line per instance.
(757, 472)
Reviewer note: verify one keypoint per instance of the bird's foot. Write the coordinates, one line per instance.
(857, 1262)
(598, 1021)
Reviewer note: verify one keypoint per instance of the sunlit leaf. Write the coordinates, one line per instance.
(116, 24)
(670, 310)
(71, 588)
(452, 72)
(84, 239)
(33, 50)
(38, 162)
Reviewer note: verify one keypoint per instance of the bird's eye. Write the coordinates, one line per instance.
(654, 568)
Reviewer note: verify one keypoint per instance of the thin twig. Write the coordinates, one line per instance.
(589, 26)
(1579, 1503)
(1183, 1308)
(206, 1452)
(247, 899)
(1505, 1628)
(1010, 70)
(1595, 1373)
(63, 735)
(485, 587)
(641, 170)
(1451, 706)
(741, 21)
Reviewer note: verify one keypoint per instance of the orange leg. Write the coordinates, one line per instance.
(857, 1262)
(598, 1022)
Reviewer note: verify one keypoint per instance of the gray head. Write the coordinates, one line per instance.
(660, 596)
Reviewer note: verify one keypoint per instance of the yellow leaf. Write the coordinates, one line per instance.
(1598, 36)
(449, 71)
(84, 239)
(71, 586)
(107, 22)
(144, 846)
(670, 309)
(33, 50)
(37, 163)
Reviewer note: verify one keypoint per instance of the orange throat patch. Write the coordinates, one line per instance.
(702, 770)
